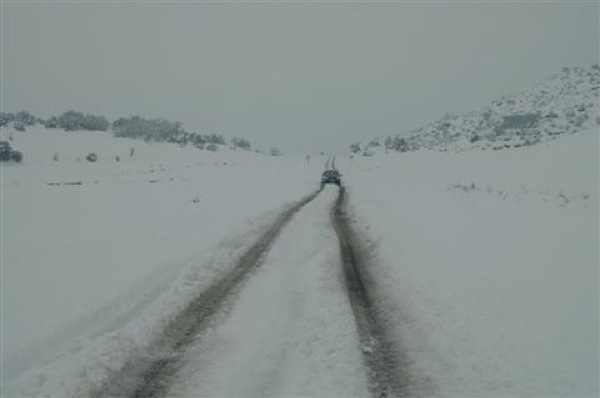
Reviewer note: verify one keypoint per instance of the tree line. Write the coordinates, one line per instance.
(136, 127)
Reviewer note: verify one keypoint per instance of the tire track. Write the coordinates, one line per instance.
(389, 369)
(290, 331)
(150, 376)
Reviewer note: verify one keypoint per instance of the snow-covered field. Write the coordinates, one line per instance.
(489, 263)
(486, 263)
(91, 270)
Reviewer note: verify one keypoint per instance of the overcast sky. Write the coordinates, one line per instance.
(301, 76)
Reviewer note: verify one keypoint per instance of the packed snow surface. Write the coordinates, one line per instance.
(291, 332)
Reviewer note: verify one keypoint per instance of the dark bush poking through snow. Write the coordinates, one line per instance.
(8, 154)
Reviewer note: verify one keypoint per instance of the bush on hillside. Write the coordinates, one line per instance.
(388, 143)
(73, 120)
(25, 118)
(51, 122)
(240, 143)
(19, 120)
(6, 118)
(355, 148)
(16, 156)
(9, 154)
(215, 139)
(149, 130)
(400, 144)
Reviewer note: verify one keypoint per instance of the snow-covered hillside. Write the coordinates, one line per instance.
(566, 103)
(97, 256)
(487, 263)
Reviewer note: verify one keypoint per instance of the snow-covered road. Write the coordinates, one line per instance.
(290, 330)
(297, 316)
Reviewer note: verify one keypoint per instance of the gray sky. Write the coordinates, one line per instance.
(301, 76)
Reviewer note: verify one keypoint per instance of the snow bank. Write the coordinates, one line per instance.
(489, 261)
(99, 255)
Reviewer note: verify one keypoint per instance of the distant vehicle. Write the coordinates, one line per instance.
(7, 153)
(331, 177)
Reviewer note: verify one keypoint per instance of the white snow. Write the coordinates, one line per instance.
(486, 263)
(291, 332)
(91, 271)
(489, 263)
(565, 103)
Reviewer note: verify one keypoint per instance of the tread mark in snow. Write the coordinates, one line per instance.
(152, 377)
(388, 369)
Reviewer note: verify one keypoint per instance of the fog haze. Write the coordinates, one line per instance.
(304, 77)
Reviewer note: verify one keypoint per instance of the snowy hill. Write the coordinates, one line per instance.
(566, 103)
